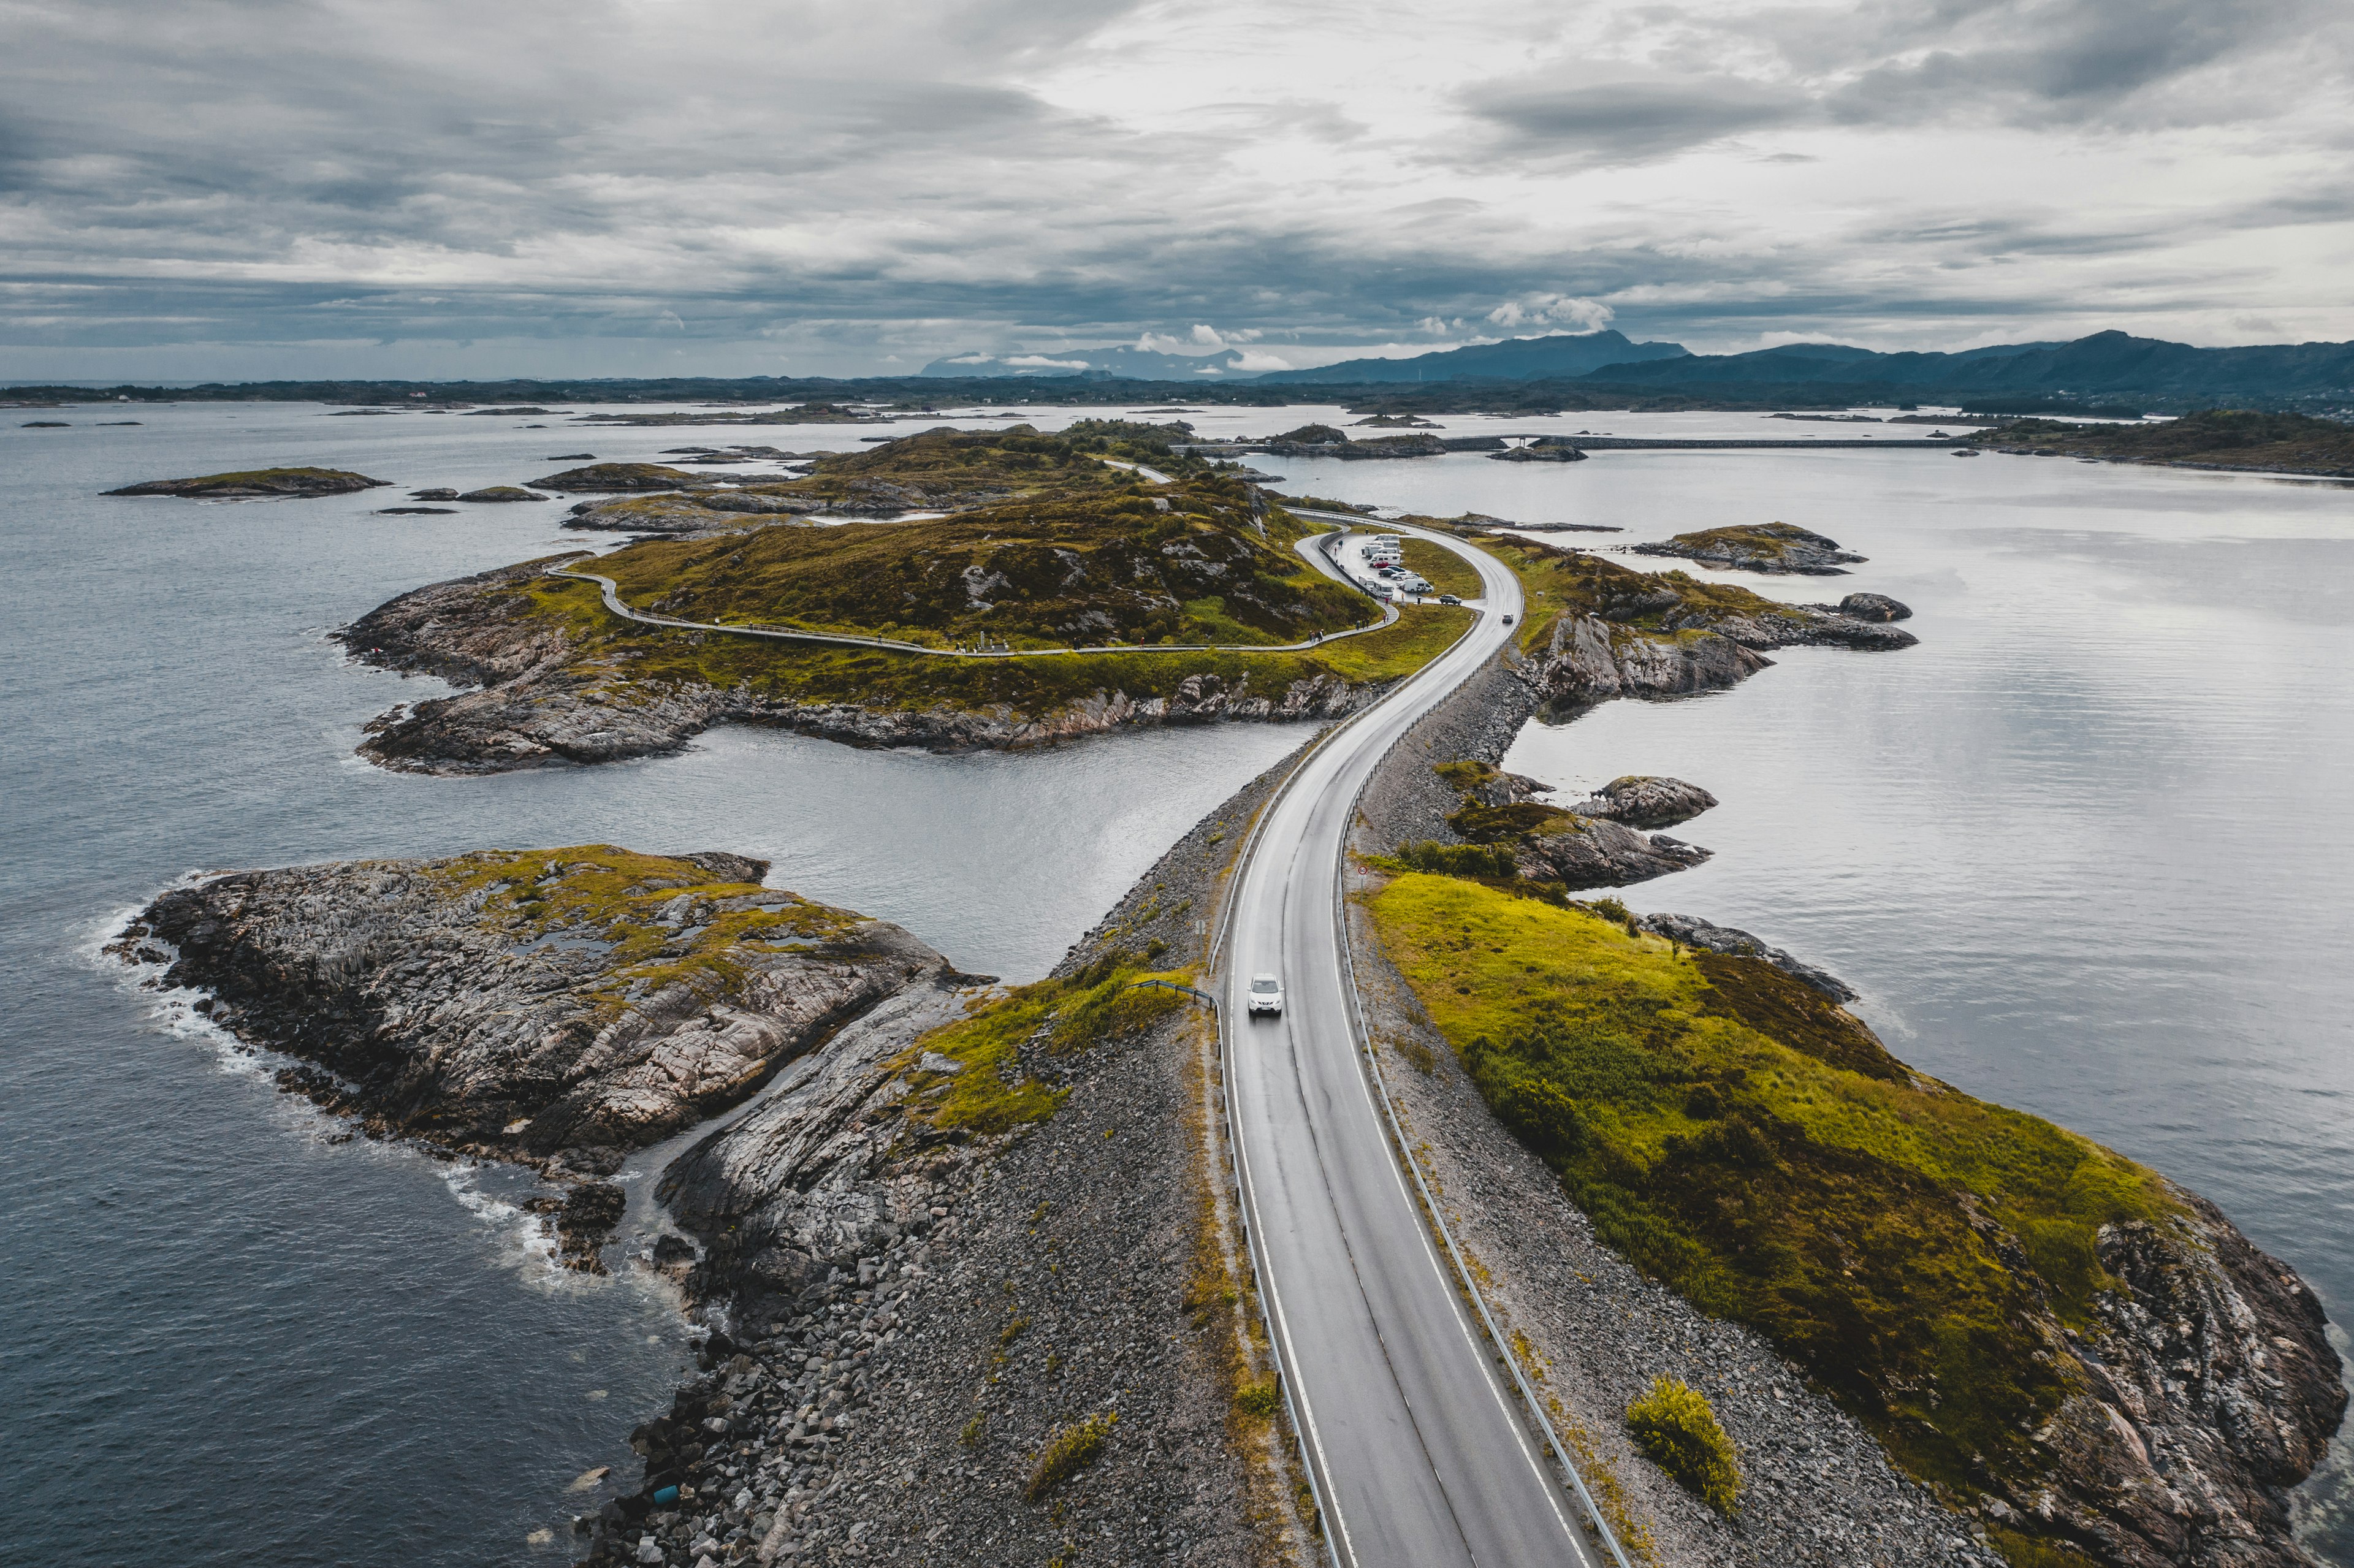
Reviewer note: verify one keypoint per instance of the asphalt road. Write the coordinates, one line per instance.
(1421, 1460)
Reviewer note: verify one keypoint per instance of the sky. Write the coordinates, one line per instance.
(198, 190)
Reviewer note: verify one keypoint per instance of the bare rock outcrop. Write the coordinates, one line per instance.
(1771, 547)
(2210, 1388)
(1591, 658)
(1642, 800)
(555, 1007)
(1595, 852)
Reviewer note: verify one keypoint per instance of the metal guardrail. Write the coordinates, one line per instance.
(1203, 997)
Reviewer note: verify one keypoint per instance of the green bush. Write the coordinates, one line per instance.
(1067, 1452)
(1259, 1400)
(1675, 1427)
(1457, 859)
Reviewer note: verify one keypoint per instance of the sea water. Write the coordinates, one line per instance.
(2085, 851)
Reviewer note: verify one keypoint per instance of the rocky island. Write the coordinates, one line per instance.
(1770, 548)
(555, 1008)
(258, 484)
(1596, 630)
(1166, 588)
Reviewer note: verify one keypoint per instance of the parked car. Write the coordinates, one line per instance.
(1266, 995)
(1448, 598)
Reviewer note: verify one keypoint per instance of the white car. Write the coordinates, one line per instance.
(1266, 995)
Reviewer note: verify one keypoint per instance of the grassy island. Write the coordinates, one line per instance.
(1195, 562)
(1099, 567)
(1171, 582)
(2215, 438)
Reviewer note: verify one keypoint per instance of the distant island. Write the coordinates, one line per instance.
(2099, 375)
(2218, 438)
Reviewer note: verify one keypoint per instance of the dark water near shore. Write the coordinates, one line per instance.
(2087, 850)
(231, 1341)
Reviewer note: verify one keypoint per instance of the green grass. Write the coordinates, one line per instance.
(883, 680)
(1677, 1431)
(1733, 1134)
(994, 1093)
(617, 895)
(1445, 571)
(1043, 572)
(1070, 1450)
(1771, 540)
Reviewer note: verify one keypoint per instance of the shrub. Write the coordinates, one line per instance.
(1070, 1450)
(1260, 1400)
(1457, 859)
(1677, 1430)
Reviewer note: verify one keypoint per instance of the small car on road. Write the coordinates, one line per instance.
(1448, 598)
(1266, 995)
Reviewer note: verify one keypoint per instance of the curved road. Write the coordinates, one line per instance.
(613, 592)
(1421, 1461)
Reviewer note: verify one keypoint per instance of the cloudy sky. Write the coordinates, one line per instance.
(421, 188)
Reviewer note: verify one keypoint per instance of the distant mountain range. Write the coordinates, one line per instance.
(1561, 355)
(2107, 367)
(1525, 375)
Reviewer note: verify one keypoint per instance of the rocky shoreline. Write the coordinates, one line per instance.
(1769, 547)
(1588, 659)
(538, 702)
(2208, 1386)
(907, 1316)
(556, 1009)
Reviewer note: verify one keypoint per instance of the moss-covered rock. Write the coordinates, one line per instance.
(1770, 548)
(606, 478)
(2057, 1338)
(560, 1005)
(260, 482)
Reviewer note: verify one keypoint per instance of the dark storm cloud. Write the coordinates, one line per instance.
(828, 183)
(1631, 122)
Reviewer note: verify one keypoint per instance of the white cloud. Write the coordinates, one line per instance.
(1324, 176)
(1040, 362)
(1552, 310)
(1258, 359)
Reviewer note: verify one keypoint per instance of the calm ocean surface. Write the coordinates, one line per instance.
(2086, 849)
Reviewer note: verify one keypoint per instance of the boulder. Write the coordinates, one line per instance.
(1642, 801)
(1874, 606)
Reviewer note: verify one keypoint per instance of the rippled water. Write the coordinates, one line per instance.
(231, 1339)
(2088, 849)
